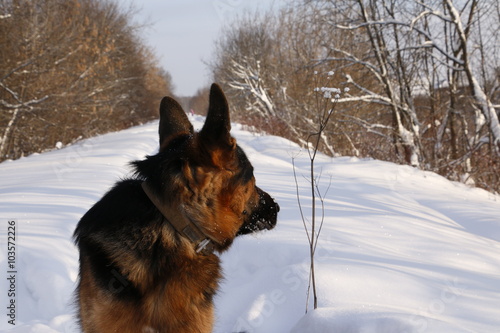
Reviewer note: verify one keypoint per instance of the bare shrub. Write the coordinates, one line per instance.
(69, 70)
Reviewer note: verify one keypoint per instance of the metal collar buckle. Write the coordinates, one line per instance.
(203, 244)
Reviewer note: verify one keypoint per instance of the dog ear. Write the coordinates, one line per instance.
(173, 120)
(217, 125)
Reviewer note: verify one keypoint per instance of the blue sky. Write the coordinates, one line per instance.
(182, 34)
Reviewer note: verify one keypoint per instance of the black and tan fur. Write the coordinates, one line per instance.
(137, 273)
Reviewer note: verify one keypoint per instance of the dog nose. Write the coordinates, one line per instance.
(277, 207)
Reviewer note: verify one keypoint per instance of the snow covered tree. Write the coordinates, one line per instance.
(431, 60)
(264, 63)
(423, 79)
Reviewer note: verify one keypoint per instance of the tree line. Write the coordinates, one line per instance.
(70, 70)
(418, 81)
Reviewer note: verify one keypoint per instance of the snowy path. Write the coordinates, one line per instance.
(401, 251)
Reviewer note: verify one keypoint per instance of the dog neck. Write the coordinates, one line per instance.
(203, 243)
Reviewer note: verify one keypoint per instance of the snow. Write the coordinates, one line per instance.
(401, 250)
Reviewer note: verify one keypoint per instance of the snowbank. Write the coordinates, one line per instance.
(401, 250)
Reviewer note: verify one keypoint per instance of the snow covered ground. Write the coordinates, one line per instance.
(401, 250)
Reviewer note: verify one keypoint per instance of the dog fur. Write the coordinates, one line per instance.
(137, 272)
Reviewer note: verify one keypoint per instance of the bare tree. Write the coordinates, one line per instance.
(70, 69)
(326, 99)
(418, 49)
(423, 79)
(199, 102)
(266, 64)
(488, 115)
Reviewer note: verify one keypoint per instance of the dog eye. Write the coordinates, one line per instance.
(244, 212)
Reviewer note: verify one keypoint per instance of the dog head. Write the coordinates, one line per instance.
(205, 176)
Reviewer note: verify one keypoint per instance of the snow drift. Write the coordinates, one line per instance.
(401, 250)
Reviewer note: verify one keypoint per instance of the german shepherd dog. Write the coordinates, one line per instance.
(148, 248)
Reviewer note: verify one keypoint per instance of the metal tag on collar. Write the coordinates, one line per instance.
(202, 245)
